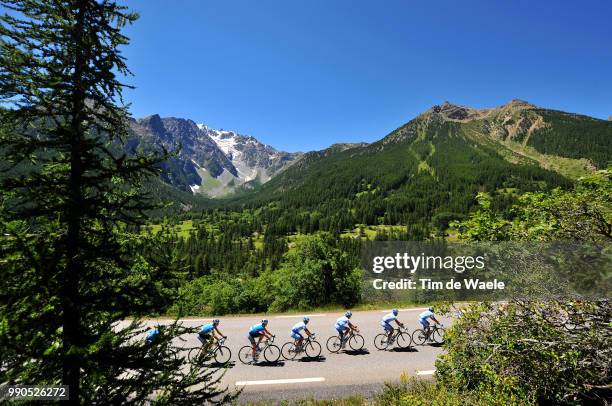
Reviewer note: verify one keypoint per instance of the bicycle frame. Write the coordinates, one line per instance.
(306, 341)
(269, 341)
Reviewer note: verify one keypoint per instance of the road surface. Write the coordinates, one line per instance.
(331, 375)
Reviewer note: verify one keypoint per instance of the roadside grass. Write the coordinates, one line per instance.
(350, 401)
(410, 392)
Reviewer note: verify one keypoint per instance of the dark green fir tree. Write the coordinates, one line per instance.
(70, 207)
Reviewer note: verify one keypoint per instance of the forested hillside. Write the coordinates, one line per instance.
(435, 165)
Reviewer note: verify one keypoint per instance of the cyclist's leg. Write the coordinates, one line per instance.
(426, 327)
(212, 340)
(389, 330)
(253, 345)
(297, 339)
(342, 334)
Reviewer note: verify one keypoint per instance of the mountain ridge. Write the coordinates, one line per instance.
(435, 164)
(208, 161)
(221, 163)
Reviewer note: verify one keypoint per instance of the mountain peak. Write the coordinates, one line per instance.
(455, 112)
(153, 122)
(519, 103)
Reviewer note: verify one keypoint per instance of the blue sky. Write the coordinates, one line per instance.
(301, 75)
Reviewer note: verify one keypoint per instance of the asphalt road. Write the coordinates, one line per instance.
(329, 376)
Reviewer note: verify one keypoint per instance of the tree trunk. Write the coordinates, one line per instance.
(71, 371)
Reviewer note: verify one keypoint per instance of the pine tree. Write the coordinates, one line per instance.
(68, 197)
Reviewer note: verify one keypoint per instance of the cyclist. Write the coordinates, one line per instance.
(386, 324)
(423, 319)
(295, 331)
(209, 331)
(259, 331)
(152, 335)
(343, 324)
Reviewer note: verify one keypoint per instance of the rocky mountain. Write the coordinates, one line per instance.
(435, 164)
(568, 143)
(210, 162)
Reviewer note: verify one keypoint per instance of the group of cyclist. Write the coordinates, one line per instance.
(343, 325)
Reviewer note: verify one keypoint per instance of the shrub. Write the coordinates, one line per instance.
(419, 392)
(522, 352)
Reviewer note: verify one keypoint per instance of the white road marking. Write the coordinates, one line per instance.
(279, 381)
(406, 310)
(430, 372)
(297, 316)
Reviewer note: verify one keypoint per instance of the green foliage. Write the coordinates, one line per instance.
(356, 400)
(524, 351)
(418, 392)
(74, 263)
(554, 352)
(316, 273)
(583, 214)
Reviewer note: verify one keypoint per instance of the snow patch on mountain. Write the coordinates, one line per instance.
(214, 162)
(226, 141)
(251, 158)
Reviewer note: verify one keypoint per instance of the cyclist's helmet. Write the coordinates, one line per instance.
(348, 314)
(216, 321)
(430, 309)
(306, 319)
(395, 312)
(264, 321)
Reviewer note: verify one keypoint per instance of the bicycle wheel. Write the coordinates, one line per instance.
(313, 349)
(380, 341)
(403, 340)
(356, 342)
(272, 353)
(193, 354)
(419, 337)
(438, 335)
(333, 344)
(223, 355)
(246, 354)
(288, 350)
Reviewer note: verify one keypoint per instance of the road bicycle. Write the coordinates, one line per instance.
(309, 346)
(271, 352)
(355, 341)
(400, 336)
(436, 334)
(218, 351)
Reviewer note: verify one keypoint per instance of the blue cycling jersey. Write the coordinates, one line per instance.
(342, 323)
(298, 327)
(256, 329)
(207, 328)
(152, 334)
(389, 318)
(425, 315)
